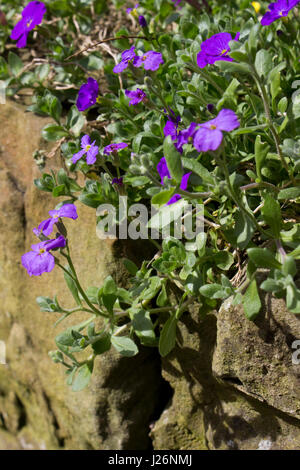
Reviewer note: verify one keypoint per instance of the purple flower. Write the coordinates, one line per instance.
(136, 96)
(142, 21)
(118, 181)
(87, 94)
(278, 10)
(215, 48)
(39, 260)
(114, 148)
(129, 10)
(89, 148)
(127, 56)
(209, 136)
(151, 60)
(46, 227)
(163, 171)
(186, 135)
(32, 15)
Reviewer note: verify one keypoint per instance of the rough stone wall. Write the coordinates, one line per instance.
(232, 383)
(37, 408)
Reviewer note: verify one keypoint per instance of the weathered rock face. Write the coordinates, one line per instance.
(234, 383)
(37, 408)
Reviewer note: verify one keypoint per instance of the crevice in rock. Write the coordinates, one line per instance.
(231, 380)
(166, 393)
(60, 439)
(22, 418)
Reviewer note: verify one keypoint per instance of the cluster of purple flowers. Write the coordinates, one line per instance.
(39, 260)
(151, 60)
(32, 15)
(206, 136)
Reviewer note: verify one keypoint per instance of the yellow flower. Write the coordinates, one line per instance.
(256, 6)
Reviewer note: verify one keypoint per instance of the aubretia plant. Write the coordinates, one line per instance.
(194, 109)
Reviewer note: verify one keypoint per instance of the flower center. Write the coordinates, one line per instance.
(143, 58)
(29, 23)
(87, 148)
(212, 127)
(224, 51)
(56, 216)
(42, 250)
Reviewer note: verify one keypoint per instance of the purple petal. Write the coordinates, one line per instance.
(137, 61)
(22, 40)
(59, 242)
(202, 60)
(91, 155)
(46, 227)
(68, 210)
(77, 156)
(163, 170)
(173, 199)
(85, 141)
(37, 264)
(121, 66)
(153, 60)
(184, 181)
(170, 129)
(227, 120)
(18, 30)
(207, 139)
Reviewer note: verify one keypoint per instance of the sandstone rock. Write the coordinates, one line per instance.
(235, 386)
(37, 409)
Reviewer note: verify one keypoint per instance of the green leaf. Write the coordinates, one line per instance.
(263, 63)
(198, 169)
(59, 191)
(163, 197)
(52, 132)
(232, 67)
(102, 345)
(47, 305)
(272, 214)
(289, 266)
(215, 291)
(167, 338)
(75, 121)
(173, 159)
(289, 193)
(293, 299)
(109, 293)
(251, 301)
(125, 346)
(130, 266)
(82, 377)
(15, 63)
(261, 151)
(143, 327)
(72, 285)
(263, 258)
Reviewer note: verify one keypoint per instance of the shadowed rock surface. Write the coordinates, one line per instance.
(233, 382)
